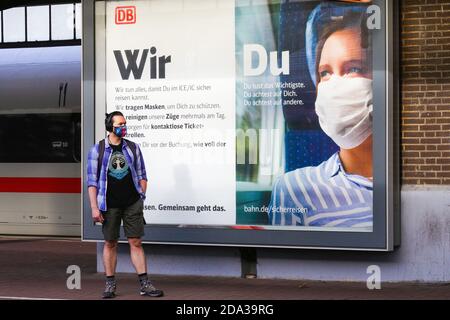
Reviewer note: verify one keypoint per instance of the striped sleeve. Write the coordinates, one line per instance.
(92, 167)
(140, 165)
(322, 196)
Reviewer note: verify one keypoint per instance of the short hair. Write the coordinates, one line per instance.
(109, 119)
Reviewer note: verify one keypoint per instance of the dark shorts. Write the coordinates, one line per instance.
(133, 221)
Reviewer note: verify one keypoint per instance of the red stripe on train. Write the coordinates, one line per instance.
(40, 185)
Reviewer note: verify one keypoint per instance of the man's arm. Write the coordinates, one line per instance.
(140, 169)
(140, 165)
(93, 183)
(96, 214)
(143, 184)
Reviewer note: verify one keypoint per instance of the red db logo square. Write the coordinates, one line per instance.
(126, 15)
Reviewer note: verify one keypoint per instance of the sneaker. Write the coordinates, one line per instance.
(110, 290)
(148, 289)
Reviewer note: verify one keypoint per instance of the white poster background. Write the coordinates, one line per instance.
(200, 38)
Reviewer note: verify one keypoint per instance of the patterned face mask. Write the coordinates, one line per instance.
(120, 131)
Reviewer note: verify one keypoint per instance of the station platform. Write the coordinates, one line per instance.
(35, 268)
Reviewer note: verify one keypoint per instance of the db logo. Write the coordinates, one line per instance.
(126, 15)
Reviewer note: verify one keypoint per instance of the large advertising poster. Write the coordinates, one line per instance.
(304, 92)
(172, 73)
(252, 115)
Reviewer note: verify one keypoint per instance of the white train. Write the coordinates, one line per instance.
(40, 133)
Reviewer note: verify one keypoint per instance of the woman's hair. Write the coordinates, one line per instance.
(352, 20)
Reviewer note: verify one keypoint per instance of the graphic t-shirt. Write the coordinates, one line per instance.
(121, 191)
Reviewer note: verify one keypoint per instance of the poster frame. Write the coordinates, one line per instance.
(386, 234)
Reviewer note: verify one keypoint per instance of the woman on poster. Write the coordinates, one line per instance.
(339, 192)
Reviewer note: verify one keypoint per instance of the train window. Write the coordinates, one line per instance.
(62, 21)
(41, 25)
(40, 138)
(14, 25)
(38, 23)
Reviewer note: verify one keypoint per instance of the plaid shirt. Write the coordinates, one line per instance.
(137, 172)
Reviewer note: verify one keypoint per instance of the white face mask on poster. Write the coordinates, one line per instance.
(344, 107)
